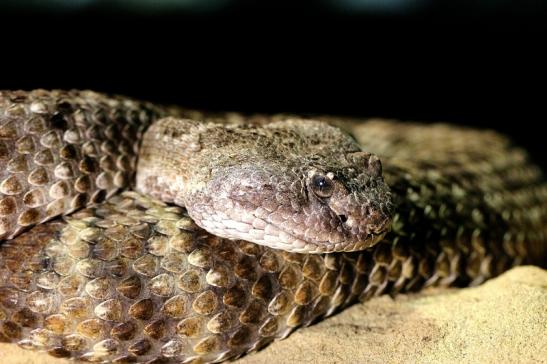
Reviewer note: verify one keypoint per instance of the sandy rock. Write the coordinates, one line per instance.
(502, 321)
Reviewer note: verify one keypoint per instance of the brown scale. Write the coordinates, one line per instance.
(153, 287)
(62, 150)
(135, 280)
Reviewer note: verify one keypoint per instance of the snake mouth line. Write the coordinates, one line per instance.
(262, 232)
(259, 232)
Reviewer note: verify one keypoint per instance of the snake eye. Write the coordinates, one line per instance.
(322, 186)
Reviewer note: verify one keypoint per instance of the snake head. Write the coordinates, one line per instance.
(310, 191)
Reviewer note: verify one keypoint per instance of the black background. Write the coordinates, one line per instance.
(451, 61)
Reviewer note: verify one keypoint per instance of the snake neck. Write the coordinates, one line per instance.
(159, 175)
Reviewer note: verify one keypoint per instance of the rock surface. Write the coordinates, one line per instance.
(502, 321)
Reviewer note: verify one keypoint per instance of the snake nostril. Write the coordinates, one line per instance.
(343, 218)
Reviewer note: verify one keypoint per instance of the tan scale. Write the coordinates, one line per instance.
(198, 309)
(60, 151)
(134, 280)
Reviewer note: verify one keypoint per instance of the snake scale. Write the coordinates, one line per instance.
(95, 271)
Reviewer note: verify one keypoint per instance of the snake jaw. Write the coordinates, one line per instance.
(256, 205)
(263, 233)
(274, 205)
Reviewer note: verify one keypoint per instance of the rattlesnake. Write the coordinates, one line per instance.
(125, 277)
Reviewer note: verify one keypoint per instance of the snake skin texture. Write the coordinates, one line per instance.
(63, 150)
(134, 280)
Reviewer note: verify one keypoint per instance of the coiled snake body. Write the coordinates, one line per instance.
(126, 278)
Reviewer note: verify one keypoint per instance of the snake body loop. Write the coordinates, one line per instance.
(132, 279)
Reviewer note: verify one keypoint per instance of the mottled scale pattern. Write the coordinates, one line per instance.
(61, 150)
(477, 182)
(135, 280)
